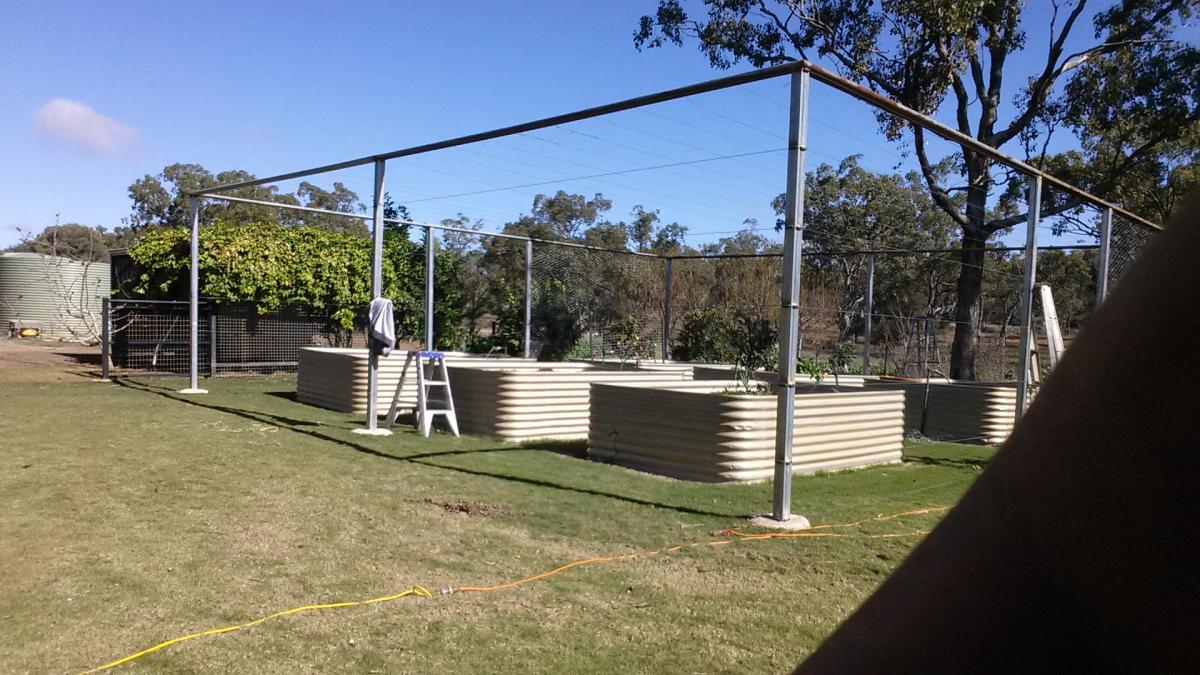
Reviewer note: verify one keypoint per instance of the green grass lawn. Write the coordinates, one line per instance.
(132, 515)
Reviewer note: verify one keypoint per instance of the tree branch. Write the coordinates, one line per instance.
(1048, 211)
(963, 107)
(939, 194)
(1040, 88)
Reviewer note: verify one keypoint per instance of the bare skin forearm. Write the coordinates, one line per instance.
(1080, 531)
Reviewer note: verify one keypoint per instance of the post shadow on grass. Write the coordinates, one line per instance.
(292, 425)
(955, 463)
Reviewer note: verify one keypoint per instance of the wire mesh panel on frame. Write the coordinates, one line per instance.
(151, 337)
(596, 304)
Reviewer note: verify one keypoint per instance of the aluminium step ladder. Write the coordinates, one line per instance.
(436, 377)
(921, 349)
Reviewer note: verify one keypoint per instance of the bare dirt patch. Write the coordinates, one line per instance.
(471, 508)
(40, 362)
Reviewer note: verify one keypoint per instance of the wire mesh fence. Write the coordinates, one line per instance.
(595, 304)
(1127, 242)
(149, 337)
(912, 295)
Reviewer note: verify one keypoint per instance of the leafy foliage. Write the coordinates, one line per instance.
(272, 266)
(706, 337)
(555, 328)
(162, 201)
(843, 354)
(1128, 96)
(629, 341)
(74, 241)
(756, 343)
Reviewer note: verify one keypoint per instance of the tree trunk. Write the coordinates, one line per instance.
(967, 310)
(968, 306)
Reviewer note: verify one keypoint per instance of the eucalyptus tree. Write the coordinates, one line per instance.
(1125, 92)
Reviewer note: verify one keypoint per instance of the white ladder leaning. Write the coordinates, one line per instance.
(437, 377)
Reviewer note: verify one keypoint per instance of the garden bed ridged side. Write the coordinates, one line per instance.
(695, 432)
(551, 402)
(958, 411)
(336, 378)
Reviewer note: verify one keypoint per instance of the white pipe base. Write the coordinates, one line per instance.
(794, 522)
(363, 431)
(189, 390)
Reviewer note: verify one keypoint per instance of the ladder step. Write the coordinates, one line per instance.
(438, 412)
(436, 383)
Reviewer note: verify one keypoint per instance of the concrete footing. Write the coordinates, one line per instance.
(793, 522)
(372, 432)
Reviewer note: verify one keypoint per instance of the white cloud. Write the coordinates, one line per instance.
(78, 126)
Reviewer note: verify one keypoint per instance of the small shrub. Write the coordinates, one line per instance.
(627, 339)
(814, 368)
(554, 324)
(706, 337)
(755, 341)
(843, 354)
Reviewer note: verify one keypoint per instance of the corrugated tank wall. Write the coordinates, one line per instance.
(62, 294)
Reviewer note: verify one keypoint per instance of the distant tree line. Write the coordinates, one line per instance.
(274, 257)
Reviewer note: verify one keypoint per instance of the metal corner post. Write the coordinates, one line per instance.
(1102, 265)
(194, 297)
(1035, 208)
(430, 243)
(376, 291)
(868, 313)
(666, 330)
(789, 308)
(525, 342)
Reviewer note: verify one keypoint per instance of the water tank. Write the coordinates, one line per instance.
(61, 294)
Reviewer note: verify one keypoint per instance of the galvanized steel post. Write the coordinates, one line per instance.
(525, 343)
(666, 330)
(789, 308)
(194, 301)
(870, 309)
(376, 291)
(1023, 359)
(430, 242)
(1102, 266)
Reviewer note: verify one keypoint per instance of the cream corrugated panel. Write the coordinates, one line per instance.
(549, 402)
(515, 399)
(337, 378)
(696, 432)
(974, 411)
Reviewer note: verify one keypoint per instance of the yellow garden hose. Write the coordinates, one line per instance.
(421, 591)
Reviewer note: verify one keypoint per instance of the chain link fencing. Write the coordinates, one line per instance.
(152, 337)
(1127, 242)
(595, 304)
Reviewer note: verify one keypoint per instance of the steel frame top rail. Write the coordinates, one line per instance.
(445, 228)
(817, 72)
(881, 251)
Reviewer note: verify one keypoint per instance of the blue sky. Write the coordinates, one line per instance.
(274, 86)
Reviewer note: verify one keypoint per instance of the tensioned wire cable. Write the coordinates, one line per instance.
(620, 172)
